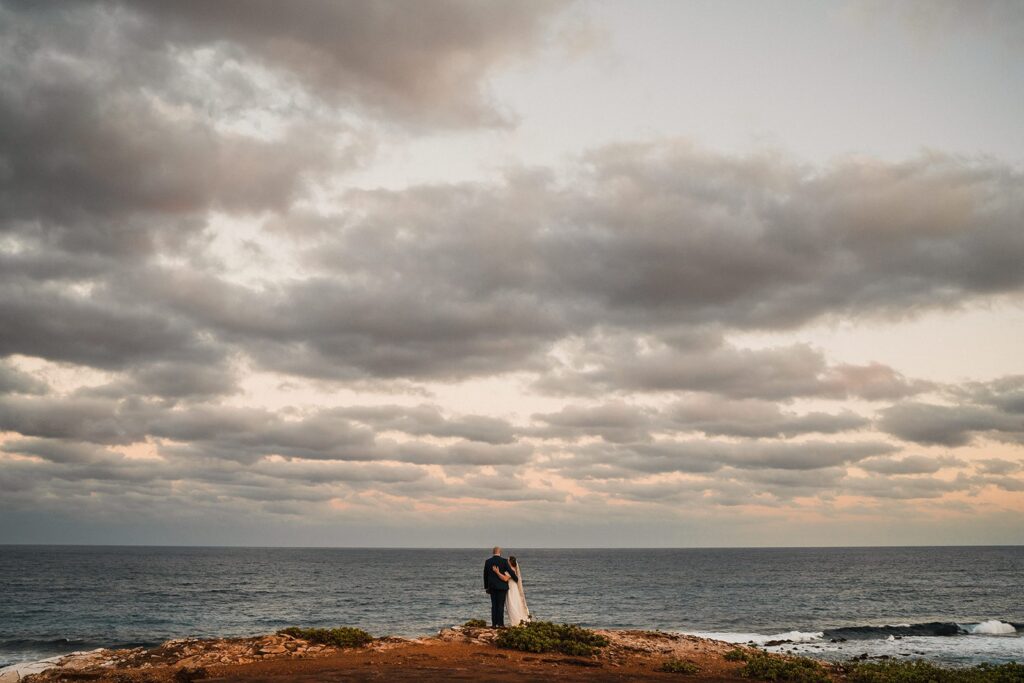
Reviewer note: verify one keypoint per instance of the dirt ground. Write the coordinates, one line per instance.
(467, 662)
(453, 655)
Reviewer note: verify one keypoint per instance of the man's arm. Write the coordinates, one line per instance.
(485, 574)
(511, 572)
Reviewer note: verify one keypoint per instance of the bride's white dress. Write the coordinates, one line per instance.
(515, 604)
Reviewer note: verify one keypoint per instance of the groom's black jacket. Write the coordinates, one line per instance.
(492, 582)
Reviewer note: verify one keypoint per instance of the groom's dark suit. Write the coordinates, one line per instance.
(496, 587)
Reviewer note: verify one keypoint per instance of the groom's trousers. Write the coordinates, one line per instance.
(498, 607)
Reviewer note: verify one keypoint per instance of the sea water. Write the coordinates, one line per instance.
(956, 605)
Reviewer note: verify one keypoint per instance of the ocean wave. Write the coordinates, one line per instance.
(760, 638)
(931, 628)
(992, 627)
(65, 645)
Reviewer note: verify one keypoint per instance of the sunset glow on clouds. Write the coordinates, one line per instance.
(536, 273)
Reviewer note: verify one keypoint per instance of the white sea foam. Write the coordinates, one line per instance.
(958, 651)
(760, 638)
(992, 627)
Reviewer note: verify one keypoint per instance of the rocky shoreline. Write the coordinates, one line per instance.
(459, 653)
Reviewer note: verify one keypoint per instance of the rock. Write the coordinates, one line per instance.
(188, 675)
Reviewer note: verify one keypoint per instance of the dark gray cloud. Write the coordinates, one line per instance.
(419, 61)
(603, 461)
(621, 422)
(93, 331)
(123, 125)
(205, 432)
(647, 242)
(118, 109)
(999, 466)
(990, 408)
(613, 422)
(427, 420)
(93, 420)
(910, 464)
(1004, 393)
(909, 487)
(647, 364)
(758, 419)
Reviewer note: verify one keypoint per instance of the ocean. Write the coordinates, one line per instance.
(956, 605)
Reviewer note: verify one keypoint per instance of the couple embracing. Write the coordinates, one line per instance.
(503, 579)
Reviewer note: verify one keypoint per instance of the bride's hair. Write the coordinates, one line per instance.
(512, 561)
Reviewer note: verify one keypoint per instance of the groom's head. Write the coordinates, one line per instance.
(497, 550)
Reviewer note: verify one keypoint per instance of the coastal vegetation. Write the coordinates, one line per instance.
(475, 623)
(918, 671)
(679, 666)
(344, 636)
(769, 667)
(545, 636)
(788, 669)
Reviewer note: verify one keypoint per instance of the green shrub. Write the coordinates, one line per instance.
(678, 666)
(736, 655)
(475, 623)
(339, 637)
(768, 667)
(543, 636)
(917, 671)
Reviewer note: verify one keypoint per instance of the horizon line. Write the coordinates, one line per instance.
(517, 547)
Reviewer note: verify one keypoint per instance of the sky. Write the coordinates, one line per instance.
(535, 273)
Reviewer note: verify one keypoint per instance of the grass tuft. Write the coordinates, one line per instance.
(544, 636)
(339, 637)
(766, 667)
(679, 666)
(475, 623)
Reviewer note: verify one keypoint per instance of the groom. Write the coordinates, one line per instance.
(497, 574)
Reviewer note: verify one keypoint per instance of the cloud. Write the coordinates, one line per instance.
(754, 418)
(14, 381)
(124, 125)
(908, 487)
(604, 461)
(645, 364)
(910, 464)
(989, 408)
(478, 279)
(91, 420)
(173, 214)
(619, 422)
(428, 420)
(614, 422)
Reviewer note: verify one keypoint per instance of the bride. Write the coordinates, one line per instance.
(518, 612)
